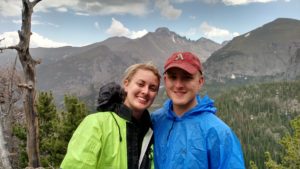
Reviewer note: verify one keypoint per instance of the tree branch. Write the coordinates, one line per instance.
(10, 47)
(33, 3)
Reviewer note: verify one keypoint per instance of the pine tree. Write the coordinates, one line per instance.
(74, 113)
(56, 129)
(48, 121)
(291, 144)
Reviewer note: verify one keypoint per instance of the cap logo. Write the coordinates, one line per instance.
(179, 57)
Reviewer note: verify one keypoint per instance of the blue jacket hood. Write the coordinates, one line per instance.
(205, 104)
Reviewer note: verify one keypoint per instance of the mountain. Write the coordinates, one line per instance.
(82, 70)
(270, 50)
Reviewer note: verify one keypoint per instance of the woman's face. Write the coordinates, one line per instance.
(141, 90)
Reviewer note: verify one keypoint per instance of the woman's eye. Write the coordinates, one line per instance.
(140, 84)
(153, 89)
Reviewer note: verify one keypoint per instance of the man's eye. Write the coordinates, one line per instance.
(172, 77)
(188, 77)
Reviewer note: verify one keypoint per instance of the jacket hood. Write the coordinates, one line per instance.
(111, 97)
(205, 104)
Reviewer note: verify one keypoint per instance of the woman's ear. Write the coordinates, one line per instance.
(125, 85)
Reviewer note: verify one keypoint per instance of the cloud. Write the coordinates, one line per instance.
(91, 7)
(210, 32)
(118, 29)
(109, 7)
(10, 7)
(82, 14)
(167, 9)
(215, 33)
(35, 22)
(36, 40)
(99, 7)
(96, 24)
(238, 2)
(62, 9)
(181, 1)
(244, 2)
(138, 34)
(212, 1)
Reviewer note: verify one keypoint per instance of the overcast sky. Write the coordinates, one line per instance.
(82, 22)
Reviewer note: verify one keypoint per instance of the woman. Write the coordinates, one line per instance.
(113, 137)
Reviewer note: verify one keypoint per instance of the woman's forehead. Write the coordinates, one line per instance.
(144, 74)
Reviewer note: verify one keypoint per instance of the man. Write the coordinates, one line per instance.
(187, 133)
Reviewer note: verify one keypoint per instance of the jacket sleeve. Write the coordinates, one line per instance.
(84, 146)
(224, 150)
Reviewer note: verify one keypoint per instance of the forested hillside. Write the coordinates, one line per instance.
(260, 116)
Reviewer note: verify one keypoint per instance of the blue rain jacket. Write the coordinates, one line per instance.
(196, 140)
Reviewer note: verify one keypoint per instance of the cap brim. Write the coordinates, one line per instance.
(184, 66)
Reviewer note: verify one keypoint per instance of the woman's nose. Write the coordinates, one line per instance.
(145, 90)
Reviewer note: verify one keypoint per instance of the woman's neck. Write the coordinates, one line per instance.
(137, 115)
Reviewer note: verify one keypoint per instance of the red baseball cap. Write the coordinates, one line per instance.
(184, 60)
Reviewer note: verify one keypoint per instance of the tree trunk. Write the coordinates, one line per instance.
(4, 161)
(28, 64)
(31, 118)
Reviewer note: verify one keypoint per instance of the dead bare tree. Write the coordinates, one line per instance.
(29, 69)
(9, 95)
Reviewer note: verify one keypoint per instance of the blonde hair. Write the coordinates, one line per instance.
(131, 71)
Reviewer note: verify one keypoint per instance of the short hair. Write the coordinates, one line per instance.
(131, 71)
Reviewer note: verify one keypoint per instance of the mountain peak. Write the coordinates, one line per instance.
(270, 50)
(162, 31)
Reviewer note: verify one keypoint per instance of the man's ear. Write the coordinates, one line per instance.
(165, 77)
(201, 80)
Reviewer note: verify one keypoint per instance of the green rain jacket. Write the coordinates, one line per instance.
(109, 140)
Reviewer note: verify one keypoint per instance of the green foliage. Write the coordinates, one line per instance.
(55, 129)
(48, 122)
(253, 165)
(75, 112)
(20, 132)
(291, 145)
(260, 114)
(270, 164)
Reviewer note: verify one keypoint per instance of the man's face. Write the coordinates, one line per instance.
(182, 87)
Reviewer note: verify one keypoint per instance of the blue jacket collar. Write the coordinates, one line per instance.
(205, 104)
